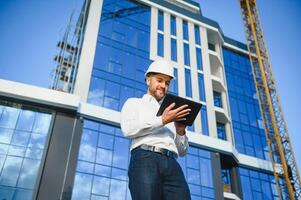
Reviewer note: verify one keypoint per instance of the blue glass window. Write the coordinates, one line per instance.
(211, 47)
(23, 133)
(185, 30)
(191, 128)
(217, 99)
(201, 87)
(107, 150)
(226, 176)
(173, 87)
(173, 49)
(173, 25)
(186, 54)
(258, 185)
(221, 132)
(103, 167)
(121, 57)
(204, 120)
(198, 172)
(160, 45)
(161, 20)
(188, 85)
(244, 108)
(197, 34)
(199, 63)
(96, 94)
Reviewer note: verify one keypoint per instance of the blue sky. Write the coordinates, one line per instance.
(30, 30)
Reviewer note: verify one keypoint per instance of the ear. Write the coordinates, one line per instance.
(147, 81)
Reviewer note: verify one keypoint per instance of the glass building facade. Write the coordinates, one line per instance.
(23, 140)
(258, 185)
(247, 123)
(74, 148)
(102, 164)
(103, 161)
(122, 55)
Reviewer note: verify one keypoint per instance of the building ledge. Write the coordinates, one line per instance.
(221, 115)
(218, 84)
(39, 95)
(215, 58)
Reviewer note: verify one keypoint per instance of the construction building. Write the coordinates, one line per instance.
(66, 142)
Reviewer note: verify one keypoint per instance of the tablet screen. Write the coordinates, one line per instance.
(179, 101)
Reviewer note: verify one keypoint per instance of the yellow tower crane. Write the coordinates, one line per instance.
(282, 157)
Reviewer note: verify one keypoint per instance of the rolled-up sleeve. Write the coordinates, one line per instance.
(182, 144)
(134, 123)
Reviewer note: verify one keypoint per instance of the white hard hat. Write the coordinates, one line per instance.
(161, 66)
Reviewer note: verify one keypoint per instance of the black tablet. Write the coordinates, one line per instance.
(179, 101)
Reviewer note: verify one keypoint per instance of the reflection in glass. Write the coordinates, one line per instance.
(185, 30)
(87, 150)
(119, 174)
(121, 153)
(82, 186)
(173, 87)
(221, 132)
(20, 138)
(122, 54)
(105, 141)
(118, 189)
(37, 141)
(103, 156)
(26, 120)
(244, 107)
(23, 133)
(9, 117)
(186, 54)
(109, 175)
(29, 172)
(160, 20)
(102, 170)
(188, 84)
(5, 135)
(197, 169)
(206, 171)
(10, 171)
(85, 167)
(201, 87)
(173, 49)
(192, 162)
(199, 63)
(160, 45)
(197, 35)
(101, 186)
(193, 176)
(258, 184)
(173, 25)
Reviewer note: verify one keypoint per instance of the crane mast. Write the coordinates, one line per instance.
(281, 154)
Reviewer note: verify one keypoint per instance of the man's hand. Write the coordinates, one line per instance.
(174, 115)
(180, 128)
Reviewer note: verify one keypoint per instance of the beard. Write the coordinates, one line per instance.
(158, 94)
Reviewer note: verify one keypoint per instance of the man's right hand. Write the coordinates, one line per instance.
(174, 115)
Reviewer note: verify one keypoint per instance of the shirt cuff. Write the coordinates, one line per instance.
(181, 138)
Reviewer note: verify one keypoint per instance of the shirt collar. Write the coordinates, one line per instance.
(150, 98)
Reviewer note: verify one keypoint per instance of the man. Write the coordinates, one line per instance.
(154, 173)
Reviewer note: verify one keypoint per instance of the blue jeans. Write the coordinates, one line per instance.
(153, 176)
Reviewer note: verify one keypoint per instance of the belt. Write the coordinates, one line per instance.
(157, 150)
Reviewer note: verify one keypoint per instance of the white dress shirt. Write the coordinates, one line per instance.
(140, 123)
